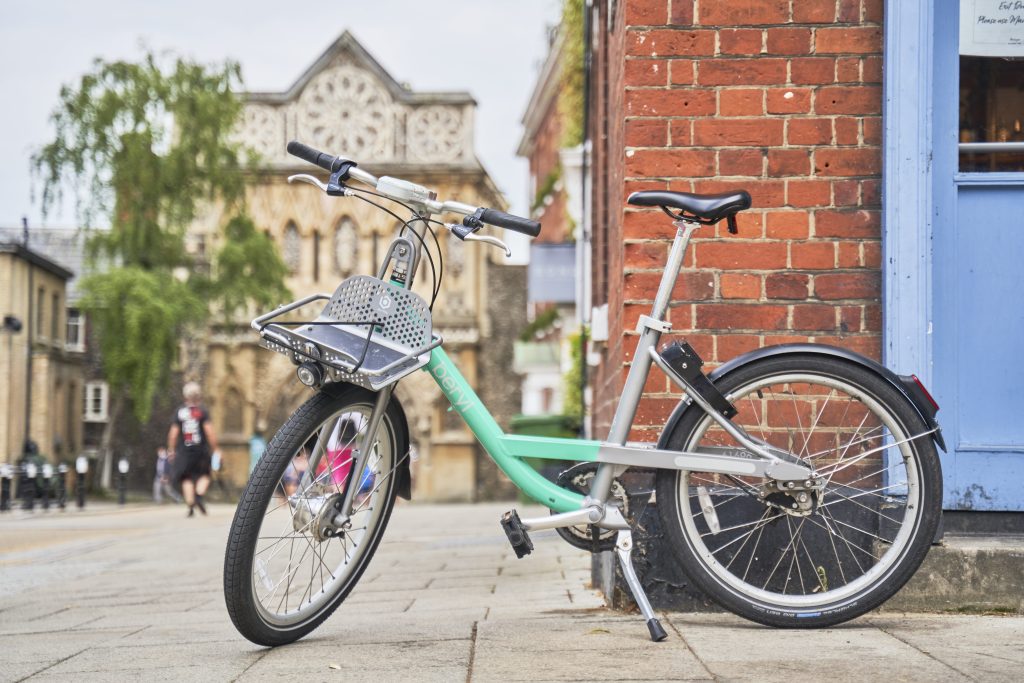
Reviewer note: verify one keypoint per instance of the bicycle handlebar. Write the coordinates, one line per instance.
(412, 192)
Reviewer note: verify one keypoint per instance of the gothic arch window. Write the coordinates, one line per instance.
(345, 245)
(292, 251)
(233, 409)
(316, 256)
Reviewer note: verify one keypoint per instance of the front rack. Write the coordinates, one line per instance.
(370, 333)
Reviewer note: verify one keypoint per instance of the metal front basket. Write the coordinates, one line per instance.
(370, 333)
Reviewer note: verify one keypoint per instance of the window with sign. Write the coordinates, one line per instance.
(991, 85)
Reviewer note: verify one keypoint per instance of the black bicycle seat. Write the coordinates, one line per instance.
(707, 207)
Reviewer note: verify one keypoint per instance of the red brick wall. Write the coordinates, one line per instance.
(543, 161)
(782, 98)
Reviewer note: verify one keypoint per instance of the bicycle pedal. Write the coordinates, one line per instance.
(516, 533)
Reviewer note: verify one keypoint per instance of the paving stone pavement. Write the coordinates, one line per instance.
(135, 593)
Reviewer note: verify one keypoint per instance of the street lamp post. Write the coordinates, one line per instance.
(81, 467)
(122, 479)
(62, 486)
(6, 474)
(47, 485)
(28, 477)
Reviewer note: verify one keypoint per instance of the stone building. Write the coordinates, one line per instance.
(41, 359)
(347, 104)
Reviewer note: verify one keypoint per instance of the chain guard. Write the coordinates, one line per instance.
(577, 479)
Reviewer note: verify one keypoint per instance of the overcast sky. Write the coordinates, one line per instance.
(490, 48)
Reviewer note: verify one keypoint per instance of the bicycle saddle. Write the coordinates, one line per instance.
(707, 207)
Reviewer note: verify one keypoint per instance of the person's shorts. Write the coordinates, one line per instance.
(194, 466)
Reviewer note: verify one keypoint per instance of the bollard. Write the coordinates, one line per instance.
(6, 474)
(47, 484)
(62, 486)
(81, 467)
(27, 486)
(122, 479)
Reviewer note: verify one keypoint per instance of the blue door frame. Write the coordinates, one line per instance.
(948, 242)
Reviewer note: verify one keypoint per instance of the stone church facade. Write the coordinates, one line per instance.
(346, 104)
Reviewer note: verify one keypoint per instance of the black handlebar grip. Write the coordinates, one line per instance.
(510, 222)
(313, 156)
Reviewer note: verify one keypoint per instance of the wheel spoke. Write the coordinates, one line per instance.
(293, 575)
(866, 509)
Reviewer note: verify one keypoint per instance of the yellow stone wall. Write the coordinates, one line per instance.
(57, 375)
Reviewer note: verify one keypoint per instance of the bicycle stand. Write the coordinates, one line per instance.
(624, 551)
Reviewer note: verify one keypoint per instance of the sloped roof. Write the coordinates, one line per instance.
(59, 250)
(347, 43)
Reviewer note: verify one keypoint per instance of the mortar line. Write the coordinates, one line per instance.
(472, 653)
(47, 668)
(926, 654)
(690, 647)
(254, 663)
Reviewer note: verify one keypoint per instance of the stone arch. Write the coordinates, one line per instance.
(345, 246)
(291, 247)
(233, 412)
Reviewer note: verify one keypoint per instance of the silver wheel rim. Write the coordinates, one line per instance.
(901, 475)
(294, 577)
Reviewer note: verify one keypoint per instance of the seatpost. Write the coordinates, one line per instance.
(650, 333)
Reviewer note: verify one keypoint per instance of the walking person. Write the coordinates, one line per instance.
(193, 442)
(162, 480)
(257, 447)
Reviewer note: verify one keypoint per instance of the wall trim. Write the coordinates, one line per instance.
(907, 187)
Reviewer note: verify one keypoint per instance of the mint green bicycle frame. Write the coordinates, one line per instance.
(508, 450)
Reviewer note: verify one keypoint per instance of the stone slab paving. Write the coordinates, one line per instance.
(116, 594)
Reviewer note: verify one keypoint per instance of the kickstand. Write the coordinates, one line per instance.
(624, 549)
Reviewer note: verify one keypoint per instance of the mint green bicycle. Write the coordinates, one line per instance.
(798, 485)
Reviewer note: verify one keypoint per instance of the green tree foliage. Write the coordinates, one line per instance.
(145, 146)
(573, 404)
(570, 97)
(137, 314)
(249, 269)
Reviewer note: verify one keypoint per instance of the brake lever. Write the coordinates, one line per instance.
(493, 241)
(306, 178)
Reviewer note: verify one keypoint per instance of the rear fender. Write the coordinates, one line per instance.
(907, 385)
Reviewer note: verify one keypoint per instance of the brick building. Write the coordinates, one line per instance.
(787, 100)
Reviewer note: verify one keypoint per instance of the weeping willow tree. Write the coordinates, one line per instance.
(144, 147)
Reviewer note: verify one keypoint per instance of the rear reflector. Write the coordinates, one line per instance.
(925, 392)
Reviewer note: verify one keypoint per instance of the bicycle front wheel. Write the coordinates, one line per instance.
(807, 558)
(286, 567)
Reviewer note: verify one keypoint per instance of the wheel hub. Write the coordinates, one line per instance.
(796, 498)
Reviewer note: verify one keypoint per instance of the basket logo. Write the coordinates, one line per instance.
(385, 302)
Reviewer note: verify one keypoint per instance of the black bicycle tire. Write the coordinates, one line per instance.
(238, 555)
(912, 555)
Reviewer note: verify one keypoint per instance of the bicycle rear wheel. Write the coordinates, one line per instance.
(762, 552)
(282, 575)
